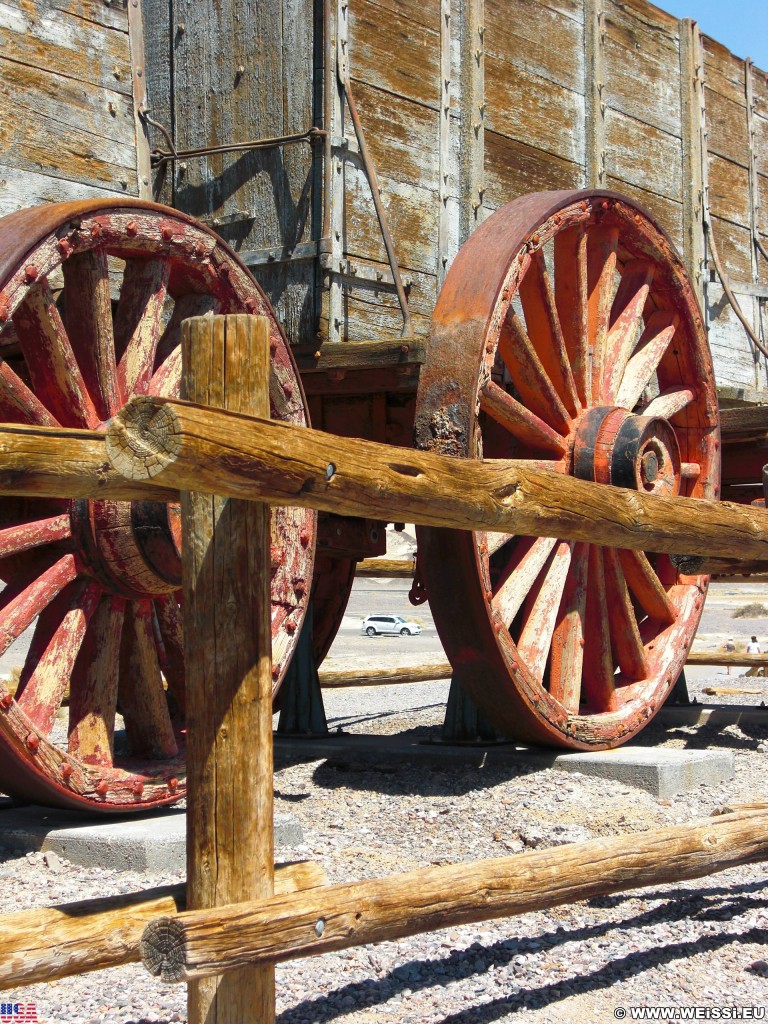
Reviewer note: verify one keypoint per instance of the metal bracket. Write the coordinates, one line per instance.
(313, 136)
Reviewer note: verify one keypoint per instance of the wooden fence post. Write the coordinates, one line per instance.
(226, 570)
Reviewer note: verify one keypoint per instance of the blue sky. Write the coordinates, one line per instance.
(741, 25)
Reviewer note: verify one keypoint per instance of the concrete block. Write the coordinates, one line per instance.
(147, 843)
(659, 771)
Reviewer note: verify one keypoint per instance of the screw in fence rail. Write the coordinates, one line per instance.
(226, 567)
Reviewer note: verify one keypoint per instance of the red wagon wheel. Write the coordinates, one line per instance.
(567, 333)
(92, 296)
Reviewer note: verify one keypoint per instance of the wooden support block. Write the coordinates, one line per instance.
(199, 943)
(227, 637)
(182, 445)
(74, 938)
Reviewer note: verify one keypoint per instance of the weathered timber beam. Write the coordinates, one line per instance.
(721, 566)
(384, 676)
(752, 419)
(199, 943)
(723, 658)
(48, 462)
(56, 942)
(185, 446)
(753, 577)
(386, 568)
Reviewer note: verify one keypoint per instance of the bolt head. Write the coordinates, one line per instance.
(102, 788)
(33, 742)
(30, 273)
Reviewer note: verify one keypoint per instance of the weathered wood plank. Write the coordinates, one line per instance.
(732, 354)
(66, 129)
(412, 212)
(641, 59)
(534, 37)
(643, 156)
(668, 212)
(723, 72)
(729, 192)
(733, 243)
(40, 36)
(109, 15)
(402, 136)
(727, 134)
(513, 169)
(394, 53)
(22, 188)
(533, 110)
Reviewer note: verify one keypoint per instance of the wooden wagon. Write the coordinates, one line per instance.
(464, 221)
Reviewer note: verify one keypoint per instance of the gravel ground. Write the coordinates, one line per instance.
(696, 943)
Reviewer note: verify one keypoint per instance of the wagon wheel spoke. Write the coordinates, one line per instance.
(670, 402)
(527, 561)
(541, 608)
(26, 597)
(165, 380)
(519, 421)
(543, 322)
(93, 697)
(572, 299)
(528, 374)
(496, 541)
(34, 534)
(641, 367)
(18, 404)
(58, 636)
(171, 626)
(626, 321)
(53, 369)
(186, 306)
(141, 694)
(646, 586)
(567, 650)
(138, 322)
(602, 244)
(626, 642)
(598, 688)
(88, 319)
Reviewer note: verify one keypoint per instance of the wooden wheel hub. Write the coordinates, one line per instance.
(614, 446)
(132, 548)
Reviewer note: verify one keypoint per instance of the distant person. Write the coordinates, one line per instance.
(753, 647)
(730, 648)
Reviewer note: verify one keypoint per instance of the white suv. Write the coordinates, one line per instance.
(391, 624)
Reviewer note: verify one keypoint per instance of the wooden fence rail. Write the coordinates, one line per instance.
(56, 942)
(197, 944)
(180, 445)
